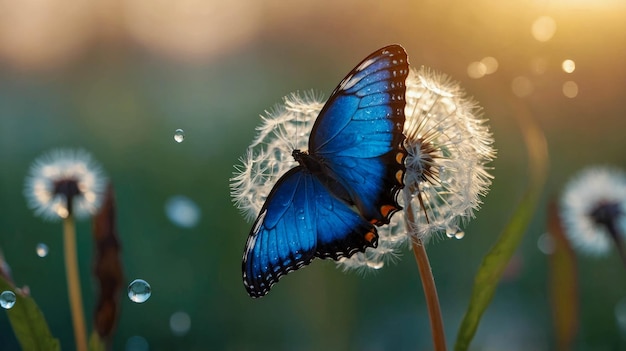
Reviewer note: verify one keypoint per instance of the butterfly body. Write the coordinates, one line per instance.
(345, 184)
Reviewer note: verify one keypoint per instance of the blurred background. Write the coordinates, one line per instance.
(117, 78)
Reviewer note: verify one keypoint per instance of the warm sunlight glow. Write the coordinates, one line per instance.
(543, 28)
(538, 65)
(570, 89)
(568, 66)
(521, 86)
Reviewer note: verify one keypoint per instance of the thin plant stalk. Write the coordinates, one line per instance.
(73, 283)
(428, 284)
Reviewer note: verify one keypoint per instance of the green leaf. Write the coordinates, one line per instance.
(496, 260)
(96, 343)
(28, 322)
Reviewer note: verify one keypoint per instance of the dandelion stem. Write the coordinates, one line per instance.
(428, 283)
(73, 283)
(617, 239)
(430, 293)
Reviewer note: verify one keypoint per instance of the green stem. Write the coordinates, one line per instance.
(73, 283)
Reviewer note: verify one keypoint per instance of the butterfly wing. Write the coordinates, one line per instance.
(299, 221)
(358, 134)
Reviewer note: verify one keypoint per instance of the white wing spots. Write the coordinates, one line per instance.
(365, 64)
(349, 82)
(257, 225)
(355, 78)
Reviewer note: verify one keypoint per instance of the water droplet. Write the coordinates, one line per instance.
(375, 265)
(545, 243)
(453, 231)
(182, 211)
(7, 299)
(444, 175)
(180, 323)
(42, 250)
(137, 343)
(179, 135)
(139, 291)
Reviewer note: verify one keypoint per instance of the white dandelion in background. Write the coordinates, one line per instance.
(63, 185)
(593, 210)
(64, 182)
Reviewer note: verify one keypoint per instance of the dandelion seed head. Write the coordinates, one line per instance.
(283, 129)
(592, 200)
(449, 146)
(64, 182)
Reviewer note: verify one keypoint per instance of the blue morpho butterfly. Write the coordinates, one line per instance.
(346, 183)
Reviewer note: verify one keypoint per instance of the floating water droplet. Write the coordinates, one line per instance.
(42, 250)
(7, 299)
(179, 135)
(139, 291)
(137, 343)
(375, 265)
(182, 211)
(545, 243)
(180, 323)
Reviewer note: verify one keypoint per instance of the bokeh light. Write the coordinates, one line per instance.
(180, 323)
(476, 70)
(568, 66)
(543, 28)
(490, 63)
(570, 89)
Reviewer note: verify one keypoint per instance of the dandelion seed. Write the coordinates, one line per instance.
(593, 210)
(63, 183)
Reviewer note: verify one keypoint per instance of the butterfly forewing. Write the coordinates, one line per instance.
(358, 134)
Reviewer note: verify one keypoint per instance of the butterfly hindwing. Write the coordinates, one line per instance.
(299, 221)
(358, 133)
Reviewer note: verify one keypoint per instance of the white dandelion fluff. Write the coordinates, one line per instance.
(449, 148)
(284, 129)
(64, 182)
(593, 209)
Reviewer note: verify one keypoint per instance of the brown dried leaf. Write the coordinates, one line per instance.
(107, 267)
